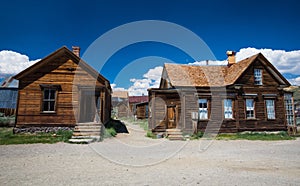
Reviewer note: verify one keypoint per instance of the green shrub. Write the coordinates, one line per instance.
(150, 135)
(198, 135)
(109, 132)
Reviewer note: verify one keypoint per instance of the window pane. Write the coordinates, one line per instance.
(258, 76)
(249, 108)
(51, 107)
(228, 108)
(49, 99)
(52, 94)
(289, 111)
(45, 106)
(270, 109)
(203, 113)
(46, 93)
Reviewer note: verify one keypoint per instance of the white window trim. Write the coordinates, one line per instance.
(203, 111)
(246, 109)
(258, 76)
(226, 109)
(270, 109)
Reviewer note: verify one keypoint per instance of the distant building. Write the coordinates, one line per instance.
(120, 104)
(134, 100)
(8, 96)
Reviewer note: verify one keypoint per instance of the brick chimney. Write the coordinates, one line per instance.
(231, 58)
(76, 50)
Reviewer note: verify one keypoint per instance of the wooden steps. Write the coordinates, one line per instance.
(174, 134)
(86, 133)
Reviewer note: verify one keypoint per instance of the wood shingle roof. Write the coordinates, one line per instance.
(213, 76)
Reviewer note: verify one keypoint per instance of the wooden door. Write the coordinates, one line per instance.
(171, 116)
(90, 103)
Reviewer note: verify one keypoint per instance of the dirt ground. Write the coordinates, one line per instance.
(132, 159)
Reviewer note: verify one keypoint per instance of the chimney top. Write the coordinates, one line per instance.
(76, 50)
(231, 57)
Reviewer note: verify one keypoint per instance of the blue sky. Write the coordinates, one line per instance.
(37, 28)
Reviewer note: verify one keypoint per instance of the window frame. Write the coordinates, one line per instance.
(289, 109)
(54, 88)
(207, 109)
(254, 115)
(258, 77)
(232, 109)
(273, 109)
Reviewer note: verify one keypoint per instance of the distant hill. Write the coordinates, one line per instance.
(290, 76)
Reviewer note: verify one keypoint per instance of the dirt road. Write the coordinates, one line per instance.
(132, 159)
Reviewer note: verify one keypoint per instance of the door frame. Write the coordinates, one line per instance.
(175, 113)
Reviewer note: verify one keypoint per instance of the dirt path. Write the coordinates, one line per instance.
(132, 159)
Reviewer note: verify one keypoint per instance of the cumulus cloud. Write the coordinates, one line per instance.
(284, 61)
(139, 86)
(13, 62)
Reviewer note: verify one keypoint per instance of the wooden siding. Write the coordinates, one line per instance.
(187, 103)
(68, 98)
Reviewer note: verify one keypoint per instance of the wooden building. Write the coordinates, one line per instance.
(245, 96)
(142, 110)
(8, 96)
(133, 101)
(62, 90)
(120, 104)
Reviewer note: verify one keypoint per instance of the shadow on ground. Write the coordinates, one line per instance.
(119, 126)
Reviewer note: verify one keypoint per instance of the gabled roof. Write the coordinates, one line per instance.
(120, 94)
(138, 99)
(61, 51)
(214, 76)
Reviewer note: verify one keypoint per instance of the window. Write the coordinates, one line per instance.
(49, 97)
(257, 76)
(289, 112)
(203, 109)
(228, 114)
(250, 108)
(270, 106)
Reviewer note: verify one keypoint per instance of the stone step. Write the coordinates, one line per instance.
(175, 137)
(82, 140)
(86, 133)
(88, 124)
(87, 130)
(87, 127)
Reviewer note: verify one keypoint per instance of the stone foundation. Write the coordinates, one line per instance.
(40, 129)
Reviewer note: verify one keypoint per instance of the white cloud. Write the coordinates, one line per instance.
(284, 61)
(13, 62)
(139, 87)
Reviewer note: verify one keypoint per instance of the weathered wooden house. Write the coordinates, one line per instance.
(245, 96)
(120, 104)
(133, 100)
(8, 96)
(142, 110)
(62, 90)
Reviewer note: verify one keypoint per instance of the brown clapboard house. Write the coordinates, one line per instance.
(62, 90)
(249, 95)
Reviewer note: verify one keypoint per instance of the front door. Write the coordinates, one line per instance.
(89, 105)
(171, 116)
